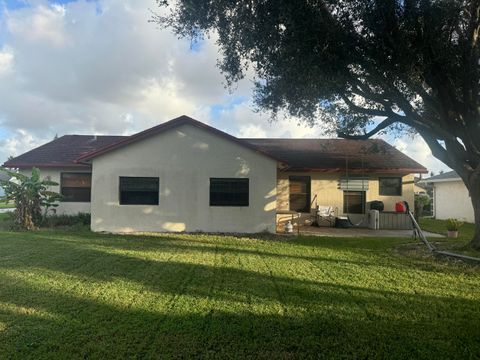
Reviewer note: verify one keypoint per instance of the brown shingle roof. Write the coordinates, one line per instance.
(179, 121)
(62, 152)
(333, 155)
(294, 154)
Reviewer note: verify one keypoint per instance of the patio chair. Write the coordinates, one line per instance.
(325, 214)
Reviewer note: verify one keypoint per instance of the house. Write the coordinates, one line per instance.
(450, 197)
(184, 175)
(3, 177)
(421, 187)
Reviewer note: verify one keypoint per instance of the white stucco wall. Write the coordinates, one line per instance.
(184, 159)
(451, 200)
(67, 208)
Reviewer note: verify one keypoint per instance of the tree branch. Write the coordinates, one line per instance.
(366, 111)
(384, 124)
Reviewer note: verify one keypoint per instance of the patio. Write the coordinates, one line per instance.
(357, 232)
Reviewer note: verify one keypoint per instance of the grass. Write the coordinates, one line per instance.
(4, 205)
(79, 295)
(460, 244)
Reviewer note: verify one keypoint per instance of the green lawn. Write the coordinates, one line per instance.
(465, 235)
(78, 295)
(4, 205)
(440, 226)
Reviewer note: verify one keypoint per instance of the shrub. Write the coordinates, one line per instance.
(80, 219)
(454, 224)
(421, 200)
(30, 195)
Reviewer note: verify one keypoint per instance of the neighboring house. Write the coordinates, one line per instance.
(450, 197)
(3, 176)
(184, 175)
(421, 187)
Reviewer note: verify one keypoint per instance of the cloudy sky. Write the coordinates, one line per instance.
(99, 67)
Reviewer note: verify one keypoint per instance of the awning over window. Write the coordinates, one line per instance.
(353, 184)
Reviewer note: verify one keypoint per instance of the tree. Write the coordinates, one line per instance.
(30, 194)
(421, 200)
(364, 67)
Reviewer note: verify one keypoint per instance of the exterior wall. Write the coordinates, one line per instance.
(64, 208)
(451, 200)
(184, 159)
(325, 186)
(419, 190)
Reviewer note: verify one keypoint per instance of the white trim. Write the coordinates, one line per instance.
(426, 181)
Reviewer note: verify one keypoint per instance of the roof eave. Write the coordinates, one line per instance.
(426, 181)
(44, 165)
(357, 171)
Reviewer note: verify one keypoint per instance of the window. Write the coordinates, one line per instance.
(390, 186)
(229, 192)
(299, 193)
(75, 187)
(139, 190)
(354, 202)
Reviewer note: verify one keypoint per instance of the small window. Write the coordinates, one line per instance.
(75, 187)
(229, 192)
(299, 193)
(354, 202)
(139, 190)
(390, 186)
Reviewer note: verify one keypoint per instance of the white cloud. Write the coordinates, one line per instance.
(6, 61)
(417, 148)
(45, 25)
(18, 142)
(80, 71)
(74, 69)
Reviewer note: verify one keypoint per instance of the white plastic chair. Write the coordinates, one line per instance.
(326, 213)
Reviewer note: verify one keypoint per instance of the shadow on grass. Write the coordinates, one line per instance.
(84, 328)
(374, 253)
(187, 314)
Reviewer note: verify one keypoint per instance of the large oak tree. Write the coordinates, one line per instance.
(364, 65)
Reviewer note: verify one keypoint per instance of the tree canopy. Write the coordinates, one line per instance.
(363, 66)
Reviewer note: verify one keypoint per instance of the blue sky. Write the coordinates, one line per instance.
(100, 67)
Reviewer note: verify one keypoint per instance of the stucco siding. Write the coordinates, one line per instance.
(184, 159)
(451, 200)
(64, 208)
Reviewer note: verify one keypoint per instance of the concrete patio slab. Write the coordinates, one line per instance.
(360, 232)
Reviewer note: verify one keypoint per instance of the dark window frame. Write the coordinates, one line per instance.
(62, 187)
(122, 198)
(307, 194)
(381, 190)
(238, 202)
(363, 204)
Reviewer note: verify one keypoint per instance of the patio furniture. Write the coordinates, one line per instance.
(325, 214)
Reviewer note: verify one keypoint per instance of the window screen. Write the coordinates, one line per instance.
(139, 190)
(75, 187)
(229, 192)
(354, 202)
(299, 193)
(390, 186)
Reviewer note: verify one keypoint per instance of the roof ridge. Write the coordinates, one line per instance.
(178, 121)
(94, 135)
(277, 138)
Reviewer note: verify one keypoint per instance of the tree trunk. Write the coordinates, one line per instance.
(474, 189)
